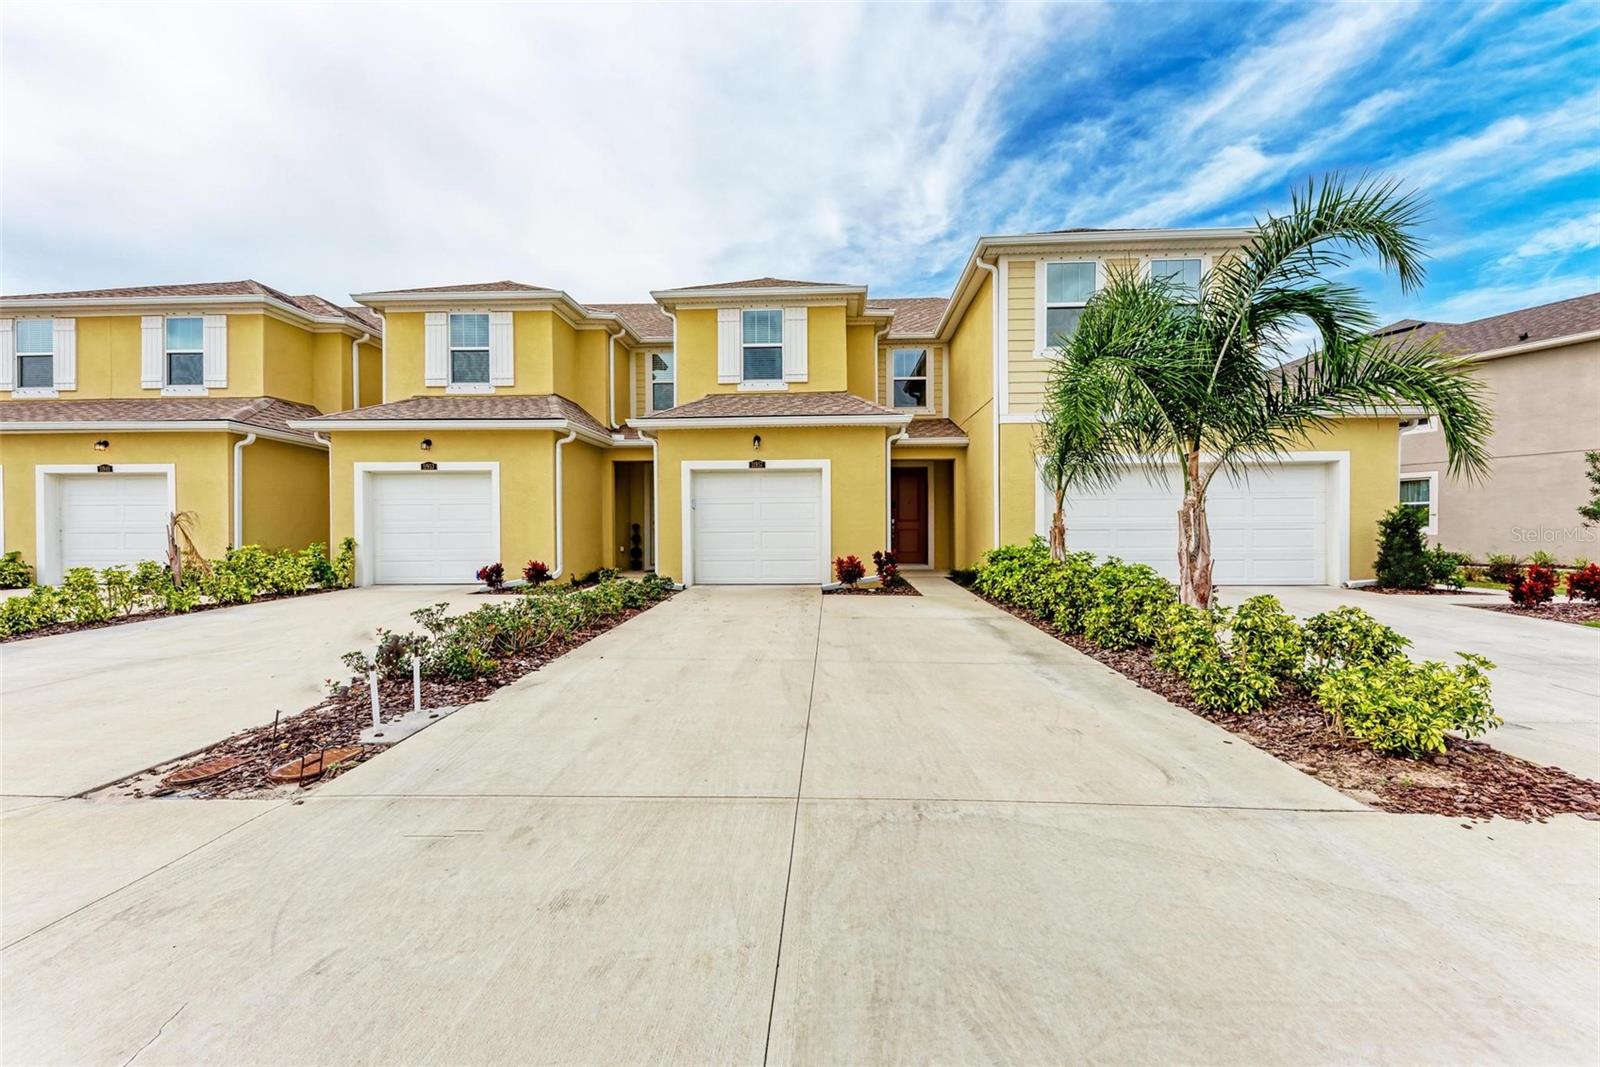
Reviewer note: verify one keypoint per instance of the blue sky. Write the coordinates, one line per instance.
(611, 150)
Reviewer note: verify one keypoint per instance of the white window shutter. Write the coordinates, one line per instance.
(730, 346)
(66, 349)
(502, 360)
(436, 348)
(795, 321)
(152, 348)
(8, 355)
(215, 351)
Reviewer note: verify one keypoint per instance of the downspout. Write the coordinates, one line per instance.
(655, 497)
(877, 363)
(888, 488)
(994, 390)
(571, 434)
(355, 369)
(238, 488)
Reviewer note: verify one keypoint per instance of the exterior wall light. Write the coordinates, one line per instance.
(101, 446)
(427, 444)
(755, 442)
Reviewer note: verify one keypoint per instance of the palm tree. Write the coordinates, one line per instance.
(1074, 449)
(1201, 380)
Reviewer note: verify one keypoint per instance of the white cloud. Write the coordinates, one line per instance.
(1574, 235)
(1512, 147)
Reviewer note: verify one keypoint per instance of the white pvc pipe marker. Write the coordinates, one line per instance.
(372, 691)
(416, 684)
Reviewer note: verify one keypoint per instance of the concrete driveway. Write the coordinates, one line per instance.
(80, 710)
(768, 826)
(1546, 677)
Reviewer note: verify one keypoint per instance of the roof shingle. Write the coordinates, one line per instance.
(471, 408)
(1562, 318)
(264, 412)
(309, 303)
(647, 321)
(759, 283)
(936, 429)
(776, 405)
(914, 316)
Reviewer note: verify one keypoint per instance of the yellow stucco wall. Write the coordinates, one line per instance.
(202, 468)
(858, 500)
(861, 360)
(583, 468)
(371, 373)
(1374, 447)
(527, 480)
(972, 408)
(581, 369)
(827, 366)
(285, 494)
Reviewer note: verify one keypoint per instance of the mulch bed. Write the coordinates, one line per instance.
(145, 616)
(334, 723)
(898, 589)
(1472, 780)
(1576, 612)
(1438, 590)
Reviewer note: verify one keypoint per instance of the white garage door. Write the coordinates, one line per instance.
(110, 519)
(761, 527)
(1269, 529)
(429, 527)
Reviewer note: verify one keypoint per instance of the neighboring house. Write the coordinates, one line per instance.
(751, 431)
(119, 407)
(1542, 369)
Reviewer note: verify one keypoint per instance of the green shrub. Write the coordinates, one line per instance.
(344, 564)
(1402, 551)
(14, 573)
(181, 599)
(122, 593)
(1542, 558)
(1447, 568)
(1190, 646)
(1348, 637)
(1406, 708)
(82, 598)
(315, 558)
(287, 573)
(1006, 572)
(1129, 605)
(1502, 567)
(1232, 660)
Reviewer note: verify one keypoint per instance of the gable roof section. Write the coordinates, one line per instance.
(762, 283)
(540, 407)
(247, 289)
(647, 321)
(470, 287)
(264, 413)
(1533, 327)
(914, 316)
(746, 408)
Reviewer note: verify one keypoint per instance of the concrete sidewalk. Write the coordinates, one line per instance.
(769, 826)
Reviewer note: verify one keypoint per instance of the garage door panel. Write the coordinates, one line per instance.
(431, 527)
(106, 520)
(755, 527)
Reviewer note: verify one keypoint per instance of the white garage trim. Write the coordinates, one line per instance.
(1336, 514)
(824, 506)
(47, 507)
(364, 542)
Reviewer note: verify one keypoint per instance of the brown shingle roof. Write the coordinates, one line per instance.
(1562, 318)
(758, 283)
(472, 408)
(310, 303)
(473, 287)
(921, 428)
(914, 316)
(647, 321)
(775, 405)
(263, 412)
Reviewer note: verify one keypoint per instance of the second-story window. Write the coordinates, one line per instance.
(763, 345)
(910, 373)
(1067, 288)
(469, 349)
(1182, 274)
(186, 360)
(663, 381)
(36, 353)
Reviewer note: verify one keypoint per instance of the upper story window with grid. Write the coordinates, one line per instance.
(1182, 274)
(663, 381)
(762, 332)
(909, 371)
(35, 339)
(185, 351)
(469, 348)
(1067, 288)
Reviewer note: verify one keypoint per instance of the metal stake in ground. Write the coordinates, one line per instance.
(416, 684)
(372, 690)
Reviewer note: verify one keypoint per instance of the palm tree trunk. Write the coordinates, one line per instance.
(1058, 529)
(1194, 538)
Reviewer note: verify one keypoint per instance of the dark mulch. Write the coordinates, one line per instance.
(897, 589)
(1437, 590)
(146, 616)
(1576, 612)
(337, 721)
(1472, 780)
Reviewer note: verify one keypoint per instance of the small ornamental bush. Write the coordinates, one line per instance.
(1406, 708)
(849, 570)
(344, 564)
(1447, 568)
(1402, 552)
(1542, 558)
(1502, 567)
(1129, 605)
(1584, 584)
(887, 569)
(1347, 637)
(14, 573)
(122, 594)
(1232, 660)
(492, 575)
(1533, 587)
(319, 566)
(537, 572)
(80, 593)
(287, 573)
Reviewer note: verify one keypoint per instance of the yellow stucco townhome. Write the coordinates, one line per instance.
(120, 407)
(752, 431)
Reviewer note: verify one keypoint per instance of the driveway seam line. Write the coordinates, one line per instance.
(794, 833)
(153, 871)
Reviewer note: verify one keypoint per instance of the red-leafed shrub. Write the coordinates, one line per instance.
(1532, 587)
(849, 569)
(1584, 584)
(888, 570)
(492, 575)
(536, 572)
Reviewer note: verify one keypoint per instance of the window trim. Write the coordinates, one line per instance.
(650, 381)
(926, 377)
(1147, 264)
(1041, 291)
(168, 387)
(450, 350)
(1424, 424)
(1432, 478)
(36, 391)
(775, 382)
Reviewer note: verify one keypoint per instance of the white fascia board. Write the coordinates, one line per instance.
(746, 422)
(575, 314)
(439, 425)
(667, 296)
(161, 426)
(932, 442)
(1535, 346)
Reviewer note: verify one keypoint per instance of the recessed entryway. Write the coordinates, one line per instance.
(910, 516)
(427, 527)
(757, 526)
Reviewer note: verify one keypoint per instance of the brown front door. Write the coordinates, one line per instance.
(909, 512)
